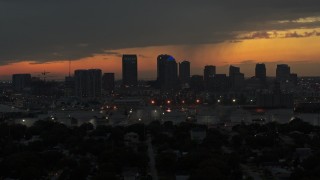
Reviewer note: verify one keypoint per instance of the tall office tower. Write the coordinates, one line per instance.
(167, 70)
(233, 70)
(20, 81)
(88, 83)
(161, 60)
(261, 72)
(108, 82)
(171, 74)
(236, 78)
(95, 82)
(129, 70)
(238, 81)
(184, 72)
(283, 73)
(81, 79)
(209, 72)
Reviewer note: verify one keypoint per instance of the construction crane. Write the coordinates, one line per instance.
(44, 75)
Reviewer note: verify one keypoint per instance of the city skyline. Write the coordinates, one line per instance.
(247, 68)
(95, 34)
(157, 90)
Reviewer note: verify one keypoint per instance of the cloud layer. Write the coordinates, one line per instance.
(46, 30)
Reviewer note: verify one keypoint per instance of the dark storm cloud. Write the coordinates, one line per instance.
(46, 30)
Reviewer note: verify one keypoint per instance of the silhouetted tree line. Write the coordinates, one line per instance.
(51, 149)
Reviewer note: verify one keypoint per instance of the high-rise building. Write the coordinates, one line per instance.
(167, 72)
(236, 78)
(88, 83)
(184, 72)
(238, 82)
(209, 72)
(108, 82)
(233, 70)
(171, 74)
(20, 81)
(129, 70)
(286, 79)
(283, 72)
(161, 61)
(261, 72)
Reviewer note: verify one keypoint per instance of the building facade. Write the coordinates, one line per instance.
(20, 81)
(184, 72)
(167, 72)
(88, 83)
(129, 70)
(108, 82)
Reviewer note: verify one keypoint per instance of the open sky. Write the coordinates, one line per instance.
(38, 35)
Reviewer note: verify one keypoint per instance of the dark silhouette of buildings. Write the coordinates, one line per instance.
(233, 70)
(261, 72)
(129, 70)
(20, 81)
(88, 83)
(275, 99)
(236, 78)
(283, 73)
(219, 83)
(284, 76)
(294, 78)
(69, 84)
(108, 82)
(184, 72)
(161, 61)
(208, 73)
(167, 71)
(196, 83)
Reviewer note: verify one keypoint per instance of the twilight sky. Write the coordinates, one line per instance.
(38, 35)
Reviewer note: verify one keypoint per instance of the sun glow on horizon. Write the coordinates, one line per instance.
(289, 50)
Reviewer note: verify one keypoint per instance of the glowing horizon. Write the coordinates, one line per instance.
(300, 53)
